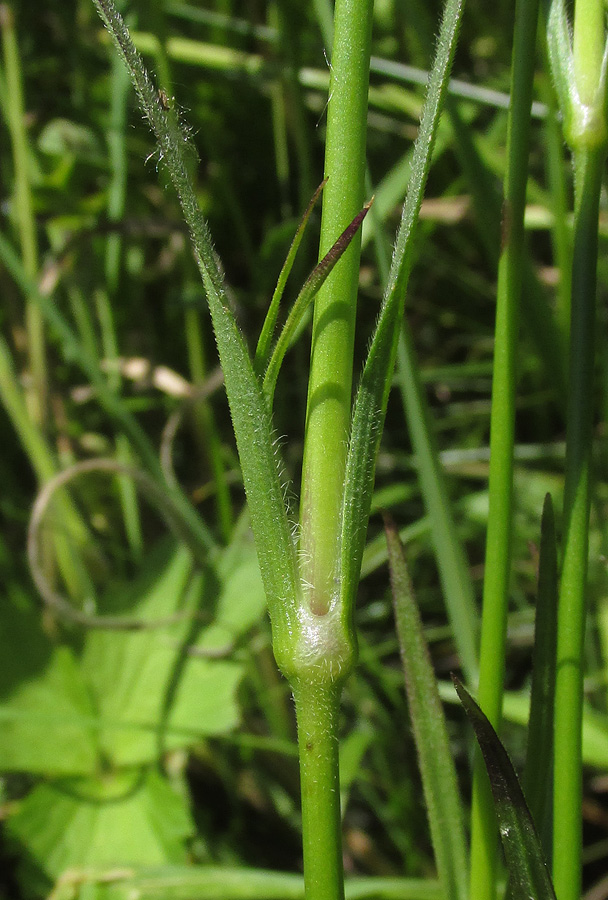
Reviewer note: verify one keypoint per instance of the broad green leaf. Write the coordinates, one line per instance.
(122, 820)
(430, 731)
(372, 396)
(528, 872)
(149, 693)
(241, 601)
(250, 414)
(46, 717)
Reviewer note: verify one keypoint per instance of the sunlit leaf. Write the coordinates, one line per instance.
(115, 821)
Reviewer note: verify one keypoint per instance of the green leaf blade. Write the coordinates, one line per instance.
(537, 774)
(250, 414)
(372, 395)
(430, 732)
(525, 859)
(262, 353)
(311, 287)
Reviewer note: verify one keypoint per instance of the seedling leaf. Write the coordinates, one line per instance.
(529, 875)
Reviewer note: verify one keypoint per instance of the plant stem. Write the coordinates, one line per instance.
(317, 715)
(24, 214)
(330, 382)
(502, 431)
(567, 794)
(588, 41)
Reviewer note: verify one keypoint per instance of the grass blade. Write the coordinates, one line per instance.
(430, 732)
(311, 286)
(262, 353)
(250, 414)
(372, 396)
(538, 781)
(525, 859)
(451, 558)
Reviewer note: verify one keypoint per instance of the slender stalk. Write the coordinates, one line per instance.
(330, 382)
(567, 793)
(502, 428)
(317, 715)
(449, 553)
(24, 214)
(117, 152)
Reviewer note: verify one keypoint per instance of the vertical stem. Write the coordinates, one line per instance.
(330, 383)
(24, 213)
(567, 793)
(502, 434)
(317, 714)
(588, 41)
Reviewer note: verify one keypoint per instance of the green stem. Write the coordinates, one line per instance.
(330, 382)
(317, 710)
(588, 49)
(567, 794)
(502, 431)
(24, 214)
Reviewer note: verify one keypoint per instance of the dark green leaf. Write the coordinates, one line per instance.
(538, 778)
(528, 872)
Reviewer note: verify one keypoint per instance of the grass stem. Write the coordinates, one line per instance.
(24, 214)
(330, 383)
(317, 714)
(567, 794)
(502, 435)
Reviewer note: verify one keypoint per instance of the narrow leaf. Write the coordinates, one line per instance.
(538, 778)
(311, 286)
(559, 45)
(250, 413)
(529, 875)
(372, 396)
(430, 732)
(262, 353)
